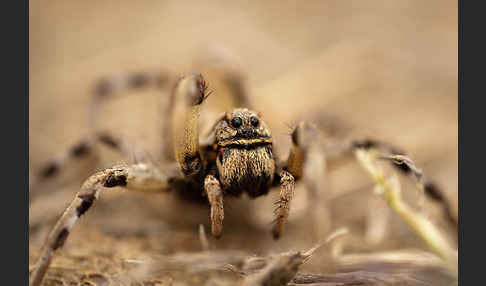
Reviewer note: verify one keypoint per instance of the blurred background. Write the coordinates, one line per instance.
(380, 69)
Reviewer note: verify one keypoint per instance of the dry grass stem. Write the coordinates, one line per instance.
(389, 189)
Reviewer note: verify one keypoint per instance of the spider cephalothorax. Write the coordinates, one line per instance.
(245, 160)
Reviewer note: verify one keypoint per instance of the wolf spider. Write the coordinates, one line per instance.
(235, 157)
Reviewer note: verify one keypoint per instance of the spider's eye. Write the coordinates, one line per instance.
(236, 122)
(254, 121)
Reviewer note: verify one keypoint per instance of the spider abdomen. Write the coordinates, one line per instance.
(249, 169)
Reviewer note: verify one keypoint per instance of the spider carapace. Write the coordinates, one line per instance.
(244, 160)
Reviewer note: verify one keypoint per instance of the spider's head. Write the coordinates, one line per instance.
(244, 159)
(242, 127)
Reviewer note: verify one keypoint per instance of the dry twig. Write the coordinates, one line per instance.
(389, 189)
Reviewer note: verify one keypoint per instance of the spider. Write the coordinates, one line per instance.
(233, 158)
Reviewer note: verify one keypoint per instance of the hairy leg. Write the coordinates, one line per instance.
(222, 69)
(287, 187)
(139, 177)
(214, 193)
(188, 95)
(306, 162)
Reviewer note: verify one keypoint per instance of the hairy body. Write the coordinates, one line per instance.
(245, 161)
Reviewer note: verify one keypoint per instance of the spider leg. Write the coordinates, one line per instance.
(82, 149)
(105, 89)
(287, 187)
(138, 177)
(431, 189)
(222, 69)
(108, 87)
(188, 95)
(214, 193)
(318, 192)
(306, 162)
(52, 168)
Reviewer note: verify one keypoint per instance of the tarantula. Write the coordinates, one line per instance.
(236, 157)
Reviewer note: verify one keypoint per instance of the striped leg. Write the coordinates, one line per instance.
(139, 177)
(430, 188)
(52, 168)
(105, 89)
(81, 150)
(109, 87)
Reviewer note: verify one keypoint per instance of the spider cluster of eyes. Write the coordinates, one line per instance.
(237, 122)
